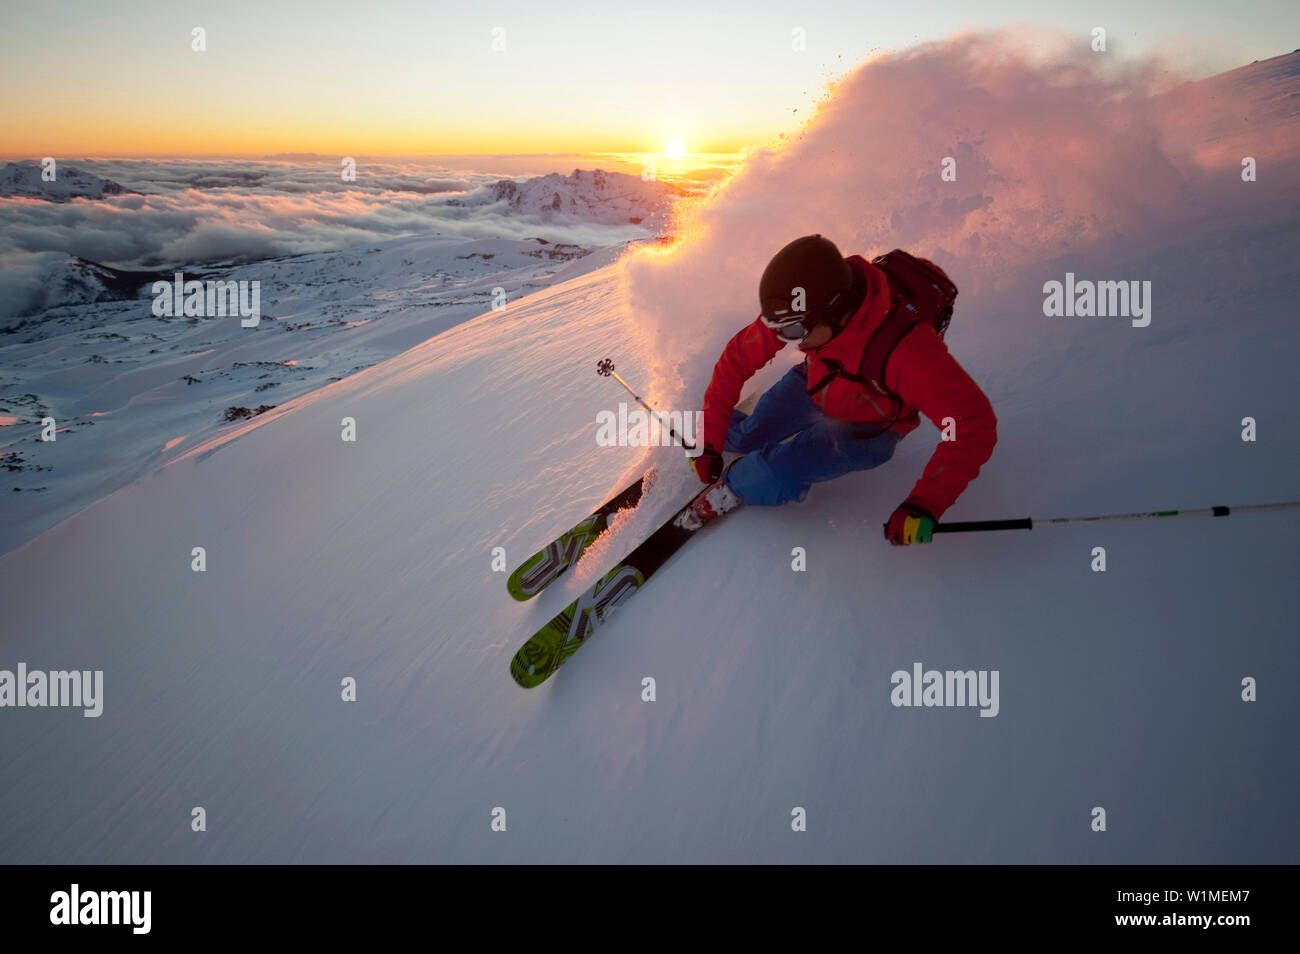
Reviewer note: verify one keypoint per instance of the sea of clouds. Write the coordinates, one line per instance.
(196, 211)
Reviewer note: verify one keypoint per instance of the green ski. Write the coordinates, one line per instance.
(542, 568)
(565, 634)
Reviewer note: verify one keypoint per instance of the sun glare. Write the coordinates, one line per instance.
(675, 148)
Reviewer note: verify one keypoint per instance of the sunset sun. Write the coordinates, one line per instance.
(675, 148)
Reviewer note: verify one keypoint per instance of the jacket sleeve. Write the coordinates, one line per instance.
(754, 346)
(928, 378)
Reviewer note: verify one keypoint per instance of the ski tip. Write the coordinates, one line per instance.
(525, 675)
(524, 584)
(518, 594)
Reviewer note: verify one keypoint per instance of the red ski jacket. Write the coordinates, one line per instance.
(920, 371)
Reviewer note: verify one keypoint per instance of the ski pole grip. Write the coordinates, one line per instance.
(1025, 523)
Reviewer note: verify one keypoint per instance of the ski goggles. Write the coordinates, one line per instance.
(796, 329)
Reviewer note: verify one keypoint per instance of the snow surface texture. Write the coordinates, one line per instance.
(372, 560)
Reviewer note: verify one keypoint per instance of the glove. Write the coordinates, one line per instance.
(707, 465)
(909, 524)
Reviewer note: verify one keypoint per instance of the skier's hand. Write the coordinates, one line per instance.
(909, 524)
(707, 465)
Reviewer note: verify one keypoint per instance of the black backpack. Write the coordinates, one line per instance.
(921, 292)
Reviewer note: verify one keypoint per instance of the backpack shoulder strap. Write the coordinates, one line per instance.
(901, 319)
(906, 275)
(836, 370)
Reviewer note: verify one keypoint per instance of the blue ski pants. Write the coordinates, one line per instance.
(772, 473)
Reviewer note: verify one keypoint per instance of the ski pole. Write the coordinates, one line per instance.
(1029, 523)
(605, 369)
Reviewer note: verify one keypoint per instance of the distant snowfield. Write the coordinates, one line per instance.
(128, 389)
(372, 560)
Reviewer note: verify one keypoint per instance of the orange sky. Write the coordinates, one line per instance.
(406, 77)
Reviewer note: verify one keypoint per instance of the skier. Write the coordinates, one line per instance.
(837, 420)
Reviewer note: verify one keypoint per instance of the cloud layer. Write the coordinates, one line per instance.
(198, 211)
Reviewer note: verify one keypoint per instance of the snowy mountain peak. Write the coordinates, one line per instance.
(24, 179)
(609, 198)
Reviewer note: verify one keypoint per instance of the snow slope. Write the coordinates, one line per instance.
(131, 390)
(373, 560)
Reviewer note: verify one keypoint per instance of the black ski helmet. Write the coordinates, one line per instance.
(814, 265)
